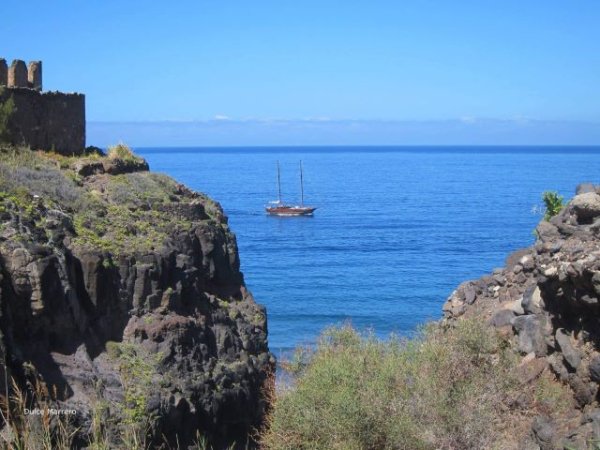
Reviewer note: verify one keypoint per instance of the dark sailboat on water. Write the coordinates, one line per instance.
(278, 208)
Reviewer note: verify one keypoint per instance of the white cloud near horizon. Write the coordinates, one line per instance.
(225, 131)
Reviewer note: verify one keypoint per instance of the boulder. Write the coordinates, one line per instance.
(594, 368)
(588, 300)
(532, 302)
(516, 307)
(531, 368)
(514, 258)
(596, 282)
(527, 263)
(570, 354)
(593, 417)
(546, 231)
(586, 207)
(583, 393)
(585, 188)
(543, 432)
(531, 337)
(470, 294)
(558, 367)
(86, 168)
(502, 318)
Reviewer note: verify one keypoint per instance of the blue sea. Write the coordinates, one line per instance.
(396, 229)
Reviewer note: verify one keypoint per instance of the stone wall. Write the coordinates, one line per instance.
(41, 120)
(47, 120)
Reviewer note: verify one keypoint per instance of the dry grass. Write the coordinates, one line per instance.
(44, 431)
(122, 151)
(48, 431)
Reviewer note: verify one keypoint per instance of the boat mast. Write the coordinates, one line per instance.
(278, 182)
(301, 185)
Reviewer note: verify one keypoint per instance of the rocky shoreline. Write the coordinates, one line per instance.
(545, 304)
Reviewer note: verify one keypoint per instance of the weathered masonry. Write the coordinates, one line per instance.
(41, 120)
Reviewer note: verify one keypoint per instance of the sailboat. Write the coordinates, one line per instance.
(279, 208)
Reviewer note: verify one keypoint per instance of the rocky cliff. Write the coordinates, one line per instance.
(545, 304)
(121, 293)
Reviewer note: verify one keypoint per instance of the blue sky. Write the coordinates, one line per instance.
(404, 72)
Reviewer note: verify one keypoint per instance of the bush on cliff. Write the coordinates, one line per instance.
(554, 204)
(447, 388)
(114, 213)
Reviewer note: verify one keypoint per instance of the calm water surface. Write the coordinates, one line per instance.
(396, 230)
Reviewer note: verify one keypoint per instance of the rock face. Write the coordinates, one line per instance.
(166, 331)
(546, 302)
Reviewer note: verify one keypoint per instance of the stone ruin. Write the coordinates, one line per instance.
(20, 75)
(34, 75)
(41, 120)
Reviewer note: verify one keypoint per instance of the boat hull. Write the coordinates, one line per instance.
(290, 211)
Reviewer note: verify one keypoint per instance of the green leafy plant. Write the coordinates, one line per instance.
(554, 204)
(137, 369)
(7, 108)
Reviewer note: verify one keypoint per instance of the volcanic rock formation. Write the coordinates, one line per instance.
(545, 302)
(121, 291)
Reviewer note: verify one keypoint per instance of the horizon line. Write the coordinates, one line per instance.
(274, 146)
(462, 120)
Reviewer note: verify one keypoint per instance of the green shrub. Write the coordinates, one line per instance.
(113, 349)
(140, 189)
(446, 388)
(554, 204)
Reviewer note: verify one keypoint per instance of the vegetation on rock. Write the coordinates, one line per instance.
(113, 282)
(114, 213)
(121, 151)
(554, 204)
(449, 387)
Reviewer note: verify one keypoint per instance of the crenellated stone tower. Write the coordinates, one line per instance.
(34, 75)
(17, 74)
(41, 120)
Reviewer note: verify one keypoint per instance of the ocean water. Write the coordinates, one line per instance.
(396, 229)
